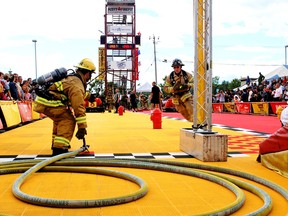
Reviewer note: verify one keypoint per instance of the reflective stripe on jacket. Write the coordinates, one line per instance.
(73, 88)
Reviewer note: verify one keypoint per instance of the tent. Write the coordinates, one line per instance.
(145, 88)
(278, 72)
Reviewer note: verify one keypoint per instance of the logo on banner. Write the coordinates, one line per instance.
(120, 29)
(102, 65)
(125, 10)
(121, 65)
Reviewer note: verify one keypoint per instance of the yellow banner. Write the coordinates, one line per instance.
(260, 108)
(230, 107)
(102, 65)
(11, 113)
(35, 115)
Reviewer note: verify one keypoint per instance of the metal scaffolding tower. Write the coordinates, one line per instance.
(203, 65)
(118, 59)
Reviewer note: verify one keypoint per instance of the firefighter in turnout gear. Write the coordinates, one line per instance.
(178, 84)
(63, 102)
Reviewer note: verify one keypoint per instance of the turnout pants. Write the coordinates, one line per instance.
(184, 108)
(63, 126)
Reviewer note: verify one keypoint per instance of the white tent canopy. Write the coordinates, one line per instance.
(145, 88)
(278, 72)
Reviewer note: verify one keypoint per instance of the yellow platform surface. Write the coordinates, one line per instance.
(131, 136)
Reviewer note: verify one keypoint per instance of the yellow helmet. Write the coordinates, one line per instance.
(87, 64)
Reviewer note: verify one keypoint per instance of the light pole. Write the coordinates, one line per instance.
(286, 54)
(35, 41)
(155, 62)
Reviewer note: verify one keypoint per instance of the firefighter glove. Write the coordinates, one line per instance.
(178, 87)
(81, 133)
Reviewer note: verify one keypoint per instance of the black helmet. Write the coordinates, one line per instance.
(177, 62)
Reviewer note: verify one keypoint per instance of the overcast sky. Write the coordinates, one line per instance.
(248, 36)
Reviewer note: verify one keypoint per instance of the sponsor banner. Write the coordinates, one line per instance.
(102, 66)
(11, 113)
(275, 105)
(243, 107)
(92, 105)
(260, 108)
(36, 115)
(120, 10)
(25, 110)
(121, 65)
(119, 29)
(230, 107)
(135, 72)
(121, 1)
(217, 107)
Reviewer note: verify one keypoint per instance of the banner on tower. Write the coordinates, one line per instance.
(102, 66)
(120, 10)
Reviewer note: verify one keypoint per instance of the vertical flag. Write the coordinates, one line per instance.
(102, 66)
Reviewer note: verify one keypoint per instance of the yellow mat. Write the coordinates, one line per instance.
(132, 133)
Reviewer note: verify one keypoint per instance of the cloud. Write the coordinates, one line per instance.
(246, 34)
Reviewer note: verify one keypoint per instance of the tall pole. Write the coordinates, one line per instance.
(35, 41)
(155, 61)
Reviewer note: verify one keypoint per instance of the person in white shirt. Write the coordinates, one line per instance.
(277, 96)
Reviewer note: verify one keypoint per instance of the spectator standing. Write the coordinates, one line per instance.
(285, 93)
(250, 93)
(221, 96)
(244, 95)
(13, 88)
(27, 94)
(117, 98)
(248, 81)
(19, 82)
(124, 101)
(2, 84)
(133, 100)
(6, 86)
(155, 95)
(260, 78)
(277, 93)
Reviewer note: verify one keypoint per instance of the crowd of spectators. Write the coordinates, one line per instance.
(265, 91)
(13, 87)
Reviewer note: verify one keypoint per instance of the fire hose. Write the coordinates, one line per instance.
(66, 163)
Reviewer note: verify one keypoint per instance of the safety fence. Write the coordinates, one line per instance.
(14, 113)
(263, 108)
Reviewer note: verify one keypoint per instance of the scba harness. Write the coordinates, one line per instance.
(185, 76)
(44, 82)
(173, 82)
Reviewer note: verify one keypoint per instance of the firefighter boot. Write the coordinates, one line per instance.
(57, 151)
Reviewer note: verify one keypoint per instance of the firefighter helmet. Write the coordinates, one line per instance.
(177, 62)
(87, 64)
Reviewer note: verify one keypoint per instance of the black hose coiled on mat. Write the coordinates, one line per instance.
(64, 163)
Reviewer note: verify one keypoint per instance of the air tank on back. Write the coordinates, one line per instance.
(52, 76)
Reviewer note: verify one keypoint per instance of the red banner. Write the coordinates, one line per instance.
(25, 110)
(135, 72)
(243, 107)
(275, 105)
(217, 107)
